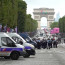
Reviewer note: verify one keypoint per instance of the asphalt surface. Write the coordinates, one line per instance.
(53, 56)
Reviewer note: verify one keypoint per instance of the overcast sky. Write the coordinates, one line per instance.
(58, 5)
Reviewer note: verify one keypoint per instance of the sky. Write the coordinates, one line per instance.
(58, 5)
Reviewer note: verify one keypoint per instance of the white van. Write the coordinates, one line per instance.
(9, 48)
(30, 49)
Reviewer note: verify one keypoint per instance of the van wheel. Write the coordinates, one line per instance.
(14, 56)
(26, 55)
(7, 57)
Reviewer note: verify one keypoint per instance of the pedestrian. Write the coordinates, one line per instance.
(8, 29)
(38, 44)
(5, 28)
(51, 43)
(48, 44)
(42, 43)
(45, 43)
(55, 44)
(2, 29)
(64, 40)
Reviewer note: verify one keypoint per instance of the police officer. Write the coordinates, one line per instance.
(55, 44)
(38, 44)
(48, 44)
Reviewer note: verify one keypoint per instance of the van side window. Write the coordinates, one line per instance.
(4, 42)
(7, 42)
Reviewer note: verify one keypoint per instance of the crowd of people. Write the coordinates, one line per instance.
(7, 29)
(47, 43)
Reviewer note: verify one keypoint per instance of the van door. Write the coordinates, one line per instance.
(7, 46)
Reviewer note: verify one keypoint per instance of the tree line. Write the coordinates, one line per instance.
(60, 24)
(54, 24)
(13, 13)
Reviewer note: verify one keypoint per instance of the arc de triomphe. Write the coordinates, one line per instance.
(44, 12)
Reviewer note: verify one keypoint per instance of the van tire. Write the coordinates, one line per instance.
(26, 55)
(14, 55)
(7, 57)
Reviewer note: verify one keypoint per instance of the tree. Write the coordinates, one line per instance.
(8, 12)
(62, 24)
(13, 13)
(54, 24)
(31, 24)
(21, 16)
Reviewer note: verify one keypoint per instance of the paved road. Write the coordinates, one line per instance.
(54, 56)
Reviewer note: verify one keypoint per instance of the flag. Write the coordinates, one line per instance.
(41, 11)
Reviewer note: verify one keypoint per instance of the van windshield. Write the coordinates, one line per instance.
(17, 39)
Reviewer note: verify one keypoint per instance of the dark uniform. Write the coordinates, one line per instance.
(55, 44)
(38, 44)
(48, 44)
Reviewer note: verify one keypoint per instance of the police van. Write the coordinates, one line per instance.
(9, 48)
(30, 49)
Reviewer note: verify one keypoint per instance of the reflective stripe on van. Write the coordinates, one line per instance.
(11, 49)
(28, 47)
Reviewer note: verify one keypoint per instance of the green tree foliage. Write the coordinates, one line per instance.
(21, 16)
(25, 22)
(31, 24)
(62, 24)
(54, 24)
(13, 13)
(8, 12)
